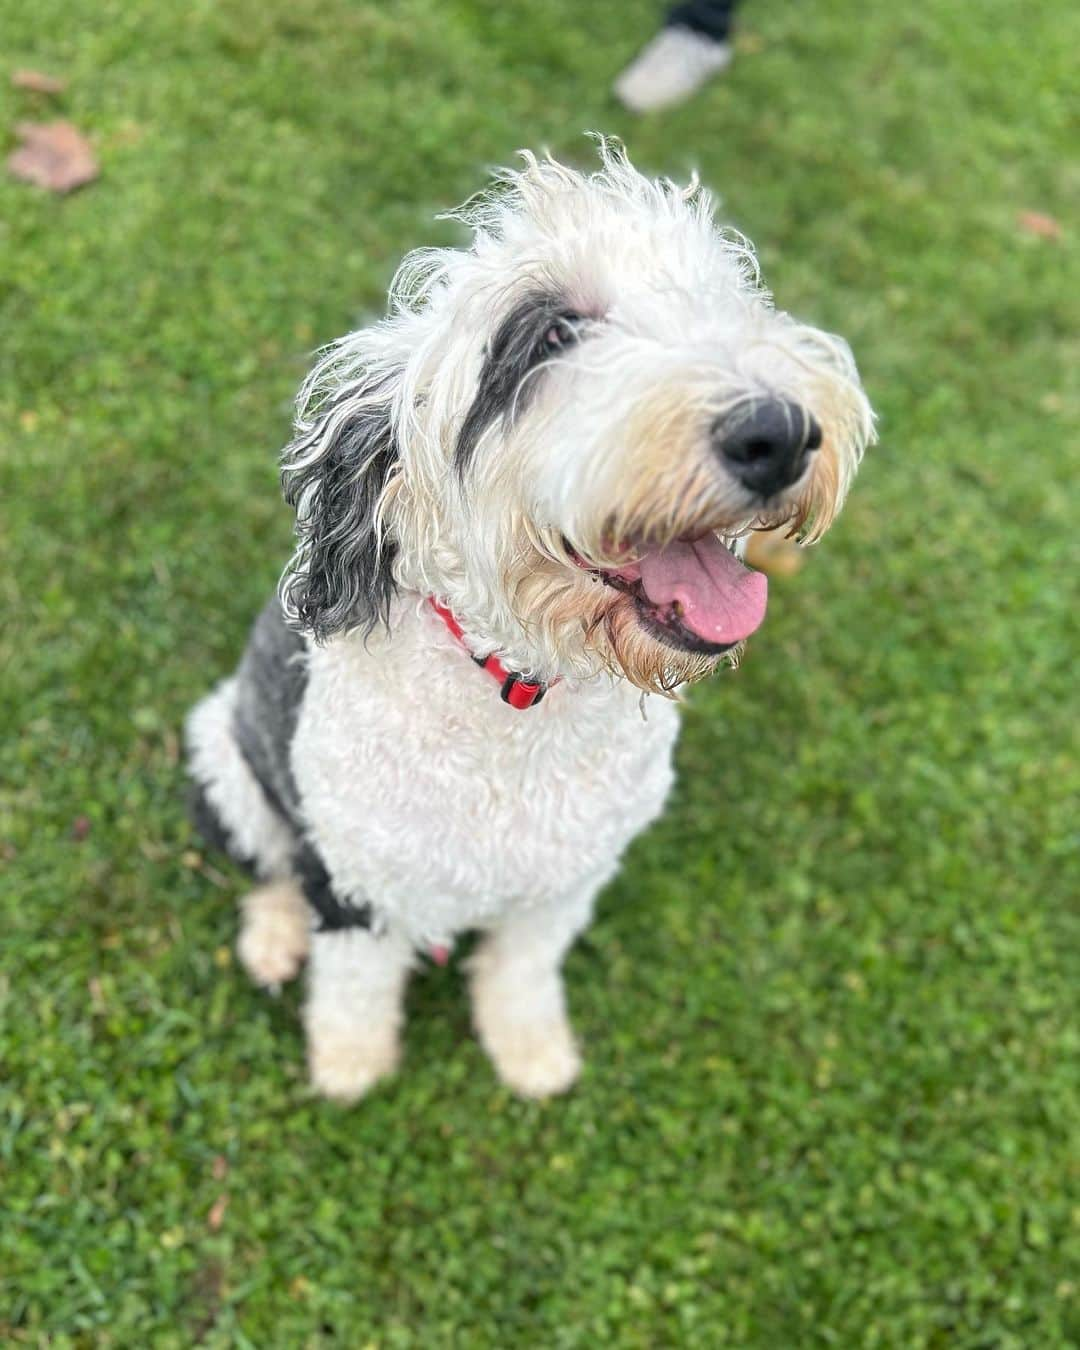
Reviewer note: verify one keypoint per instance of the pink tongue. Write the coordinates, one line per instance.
(721, 600)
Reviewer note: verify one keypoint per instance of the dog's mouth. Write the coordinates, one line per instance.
(693, 594)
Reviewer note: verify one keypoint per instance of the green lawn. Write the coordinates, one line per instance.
(830, 1007)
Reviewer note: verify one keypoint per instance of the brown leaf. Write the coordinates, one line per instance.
(37, 82)
(220, 1167)
(54, 155)
(1039, 224)
(216, 1217)
(772, 552)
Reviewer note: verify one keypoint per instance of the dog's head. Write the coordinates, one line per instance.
(564, 431)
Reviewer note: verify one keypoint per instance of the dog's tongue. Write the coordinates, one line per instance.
(721, 600)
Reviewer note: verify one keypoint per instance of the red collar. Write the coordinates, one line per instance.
(519, 693)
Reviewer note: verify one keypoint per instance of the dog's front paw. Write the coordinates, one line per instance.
(275, 933)
(533, 1059)
(345, 1064)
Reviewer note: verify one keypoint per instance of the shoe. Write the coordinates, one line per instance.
(674, 65)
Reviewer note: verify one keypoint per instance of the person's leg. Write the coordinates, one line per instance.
(711, 18)
(690, 48)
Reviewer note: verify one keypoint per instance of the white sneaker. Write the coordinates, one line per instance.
(674, 65)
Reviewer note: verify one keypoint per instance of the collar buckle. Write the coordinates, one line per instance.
(520, 693)
(515, 690)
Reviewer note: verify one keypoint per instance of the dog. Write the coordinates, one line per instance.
(521, 501)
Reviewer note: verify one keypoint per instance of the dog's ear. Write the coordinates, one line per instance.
(335, 473)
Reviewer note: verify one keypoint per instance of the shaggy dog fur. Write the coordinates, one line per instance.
(562, 434)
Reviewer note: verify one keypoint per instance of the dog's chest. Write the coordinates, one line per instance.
(433, 799)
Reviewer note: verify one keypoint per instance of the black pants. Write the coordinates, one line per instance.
(712, 18)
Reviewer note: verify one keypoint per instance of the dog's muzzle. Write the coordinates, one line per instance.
(693, 594)
(766, 444)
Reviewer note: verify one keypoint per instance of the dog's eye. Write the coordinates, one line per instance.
(560, 333)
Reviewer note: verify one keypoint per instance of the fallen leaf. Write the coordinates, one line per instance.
(36, 81)
(1039, 224)
(54, 155)
(220, 1167)
(216, 1217)
(773, 553)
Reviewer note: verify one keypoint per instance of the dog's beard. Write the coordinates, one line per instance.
(648, 661)
(592, 628)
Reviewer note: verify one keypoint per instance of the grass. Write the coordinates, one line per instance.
(833, 1095)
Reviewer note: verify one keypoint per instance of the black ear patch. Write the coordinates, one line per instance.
(341, 574)
(536, 328)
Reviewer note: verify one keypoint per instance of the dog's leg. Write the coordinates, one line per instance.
(230, 806)
(275, 932)
(354, 1013)
(519, 1007)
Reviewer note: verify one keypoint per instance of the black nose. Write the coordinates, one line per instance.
(766, 443)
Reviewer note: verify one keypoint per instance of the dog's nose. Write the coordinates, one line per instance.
(766, 443)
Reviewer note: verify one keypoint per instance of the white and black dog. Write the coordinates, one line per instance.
(520, 502)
